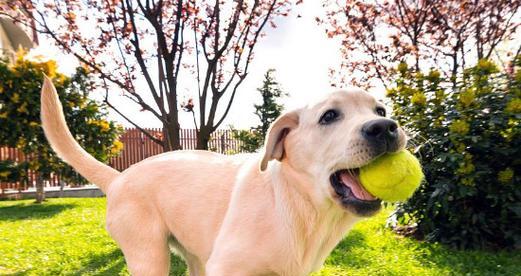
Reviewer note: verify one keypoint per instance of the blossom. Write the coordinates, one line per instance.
(434, 75)
(117, 146)
(466, 168)
(4, 174)
(467, 97)
(419, 98)
(487, 66)
(459, 127)
(15, 98)
(467, 181)
(506, 175)
(402, 67)
(514, 106)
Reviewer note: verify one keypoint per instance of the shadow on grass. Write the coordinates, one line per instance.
(113, 263)
(32, 211)
(471, 262)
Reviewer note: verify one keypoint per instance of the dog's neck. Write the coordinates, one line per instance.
(317, 224)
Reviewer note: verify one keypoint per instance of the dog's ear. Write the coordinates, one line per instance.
(274, 146)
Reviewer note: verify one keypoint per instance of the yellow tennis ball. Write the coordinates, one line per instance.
(393, 176)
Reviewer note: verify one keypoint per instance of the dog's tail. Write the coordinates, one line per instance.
(63, 143)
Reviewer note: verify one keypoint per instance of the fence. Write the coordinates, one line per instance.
(30, 175)
(137, 147)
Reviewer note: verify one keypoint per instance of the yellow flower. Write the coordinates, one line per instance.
(390, 92)
(50, 68)
(467, 181)
(20, 54)
(514, 106)
(467, 97)
(21, 143)
(1, 89)
(3, 115)
(506, 175)
(34, 124)
(104, 126)
(117, 146)
(15, 98)
(459, 127)
(22, 108)
(468, 156)
(466, 168)
(419, 99)
(402, 67)
(486, 65)
(4, 174)
(434, 75)
(461, 147)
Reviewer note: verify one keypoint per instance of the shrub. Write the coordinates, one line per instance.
(469, 139)
(20, 116)
(10, 171)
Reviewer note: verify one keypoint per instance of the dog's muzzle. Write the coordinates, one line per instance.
(382, 135)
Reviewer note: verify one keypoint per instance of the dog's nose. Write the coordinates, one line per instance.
(381, 132)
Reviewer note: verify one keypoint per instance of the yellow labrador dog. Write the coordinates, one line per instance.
(246, 214)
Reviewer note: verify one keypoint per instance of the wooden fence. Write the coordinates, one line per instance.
(136, 147)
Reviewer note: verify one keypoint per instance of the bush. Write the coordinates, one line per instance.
(20, 127)
(469, 139)
(10, 171)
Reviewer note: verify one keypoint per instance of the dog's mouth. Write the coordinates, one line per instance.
(352, 195)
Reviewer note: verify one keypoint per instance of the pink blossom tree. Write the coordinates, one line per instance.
(447, 34)
(205, 46)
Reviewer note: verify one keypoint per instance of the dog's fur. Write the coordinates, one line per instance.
(233, 215)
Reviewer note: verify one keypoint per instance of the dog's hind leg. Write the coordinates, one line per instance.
(143, 240)
(195, 266)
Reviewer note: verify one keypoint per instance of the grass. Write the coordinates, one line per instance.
(67, 237)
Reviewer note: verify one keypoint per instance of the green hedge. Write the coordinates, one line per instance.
(469, 139)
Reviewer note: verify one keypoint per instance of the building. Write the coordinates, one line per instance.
(15, 35)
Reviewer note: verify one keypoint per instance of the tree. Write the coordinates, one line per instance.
(20, 120)
(162, 43)
(267, 112)
(472, 156)
(448, 35)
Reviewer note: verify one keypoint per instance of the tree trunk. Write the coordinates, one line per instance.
(171, 138)
(40, 193)
(203, 137)
(62, 186)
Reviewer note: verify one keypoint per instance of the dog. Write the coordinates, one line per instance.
(279, 212)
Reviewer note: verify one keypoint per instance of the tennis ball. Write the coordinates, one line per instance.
(393, 176)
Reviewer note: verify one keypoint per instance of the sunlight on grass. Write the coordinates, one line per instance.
(67, 236)
(62, 236)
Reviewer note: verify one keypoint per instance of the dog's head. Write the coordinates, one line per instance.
(330, 140)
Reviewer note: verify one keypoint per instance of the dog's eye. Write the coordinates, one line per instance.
(328, 117)
(380, 111)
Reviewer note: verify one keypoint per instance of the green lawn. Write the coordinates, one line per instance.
(67, 236)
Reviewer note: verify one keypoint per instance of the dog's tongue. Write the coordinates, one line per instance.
(353, 183)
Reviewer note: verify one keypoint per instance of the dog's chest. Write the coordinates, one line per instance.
(320, 241)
